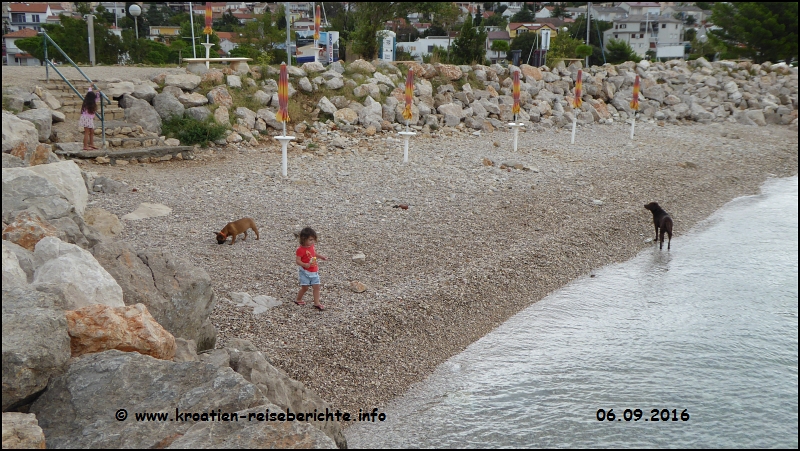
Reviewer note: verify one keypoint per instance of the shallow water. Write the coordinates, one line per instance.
(709, 327)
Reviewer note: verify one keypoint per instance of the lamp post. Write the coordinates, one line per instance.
(135, 11)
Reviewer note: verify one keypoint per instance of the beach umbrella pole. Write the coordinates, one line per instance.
(574, 122)
(283, 116)
(634, 104)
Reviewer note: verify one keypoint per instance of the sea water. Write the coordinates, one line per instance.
(705, 335)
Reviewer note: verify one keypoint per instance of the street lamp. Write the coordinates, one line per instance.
(135, 11)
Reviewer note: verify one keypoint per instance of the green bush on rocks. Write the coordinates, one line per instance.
(190, 131)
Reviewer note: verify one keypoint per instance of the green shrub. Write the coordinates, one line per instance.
(190, 131)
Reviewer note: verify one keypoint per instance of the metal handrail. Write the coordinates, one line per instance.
(101, 115)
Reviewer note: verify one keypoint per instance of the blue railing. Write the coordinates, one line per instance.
(48, 64)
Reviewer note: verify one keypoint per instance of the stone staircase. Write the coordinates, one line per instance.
(71, 103)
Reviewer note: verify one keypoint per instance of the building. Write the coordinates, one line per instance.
(115, 8)
(228, 40)
(512, 8)
(492, 36)
(28, 15)
(164, 33)
(607, 13)
(424, 46)
(641, 8)
(661, 34)
(15, 56)
(517, 28)
(545, 12)
(684, 12)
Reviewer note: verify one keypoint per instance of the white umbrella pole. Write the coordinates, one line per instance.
(574, 122)
(633, 124)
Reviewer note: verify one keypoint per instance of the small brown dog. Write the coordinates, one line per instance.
(661, 220)
(234, 228)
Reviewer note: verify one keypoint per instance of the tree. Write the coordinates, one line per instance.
(227, 22)
(470, 45)
(495, 20)
(619, 51)
(578, 28)
(563, 46)
(156, 16)
(435, 30)
(104, 15)
(478, 17)
(72, 36)
(524, 42)
(764, 31)
(500, 46)
(370, 18)
(83, 8)
(524, 15)
(559, 11)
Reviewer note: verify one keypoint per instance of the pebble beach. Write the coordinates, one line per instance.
(488, 230)
(477, 244)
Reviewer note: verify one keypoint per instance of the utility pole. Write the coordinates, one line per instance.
(588, 20)
(90, 22)
(288, 37)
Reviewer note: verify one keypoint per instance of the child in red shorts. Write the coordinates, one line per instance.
(306, 257)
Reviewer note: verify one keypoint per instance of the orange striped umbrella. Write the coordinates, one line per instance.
(635, 100)
(409, 94)
(283, 96)
(577, 102)
(316, 24)
(515, 93)
(207, 29)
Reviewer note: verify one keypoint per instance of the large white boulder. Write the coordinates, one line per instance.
(76, 275)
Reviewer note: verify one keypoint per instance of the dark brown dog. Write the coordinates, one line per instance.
(661, 220)
(234, 228)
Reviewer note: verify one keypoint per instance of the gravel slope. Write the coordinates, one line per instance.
(477, 245)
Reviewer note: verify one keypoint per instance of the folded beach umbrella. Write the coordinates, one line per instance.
(283, 95)
(634, 104)
(635, 100)
(207, 29)
(316, 24)
(409, 95)
(515, 92)
(577, 102)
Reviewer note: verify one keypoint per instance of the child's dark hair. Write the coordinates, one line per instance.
(89, 103)
(305, 234)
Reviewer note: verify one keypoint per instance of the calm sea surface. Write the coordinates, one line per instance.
(709, 328)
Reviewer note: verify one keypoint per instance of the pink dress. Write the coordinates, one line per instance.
(87, 119)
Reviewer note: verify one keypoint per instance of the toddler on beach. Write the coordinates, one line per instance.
(88, 109)
(306, 258)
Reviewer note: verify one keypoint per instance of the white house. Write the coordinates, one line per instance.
(607, 13)
(28, 15)
(545, 12)
(424, 46)
(662, 34)
(512, 8)
(15, 56)
(641, 8)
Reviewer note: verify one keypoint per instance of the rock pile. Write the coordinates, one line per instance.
(368, 98)
(92, 325)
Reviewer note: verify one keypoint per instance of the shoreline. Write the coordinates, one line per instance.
(477, 245)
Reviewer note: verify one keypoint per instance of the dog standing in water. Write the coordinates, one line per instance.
(661, 220)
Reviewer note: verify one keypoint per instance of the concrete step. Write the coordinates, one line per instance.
(151, 154)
